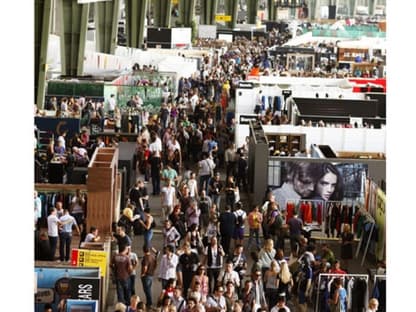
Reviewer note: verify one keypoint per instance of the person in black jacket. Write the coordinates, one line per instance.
(227, 224)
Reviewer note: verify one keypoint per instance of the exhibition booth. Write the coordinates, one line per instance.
(87, 276)
(359, 190)
(312, 99)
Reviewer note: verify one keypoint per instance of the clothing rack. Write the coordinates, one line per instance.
(364, 276)
(66, 188)
(373, 224)
(379, 276)
(382, 300)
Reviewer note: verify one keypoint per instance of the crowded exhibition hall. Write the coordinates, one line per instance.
(208, 156)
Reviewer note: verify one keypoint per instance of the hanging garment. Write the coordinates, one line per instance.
(263, 103)
(379, 292)
(359, 295)
(290, 209)
(319, 209)
(270, 102)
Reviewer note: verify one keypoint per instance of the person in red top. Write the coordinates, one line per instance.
(336, 268)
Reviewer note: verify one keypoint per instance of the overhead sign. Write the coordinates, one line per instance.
(245, 85)
(90, 258)
(245, 119)
(223, 18)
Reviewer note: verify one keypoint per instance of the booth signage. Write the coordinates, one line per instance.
(245, 119)
(54, 284)
(82, 305)
(223, 18)
(90, 258)
(58, 125)
(245, 85)
(85, 288)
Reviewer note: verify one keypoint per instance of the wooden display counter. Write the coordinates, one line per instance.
(102, 189)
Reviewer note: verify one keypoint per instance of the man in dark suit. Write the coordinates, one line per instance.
(258, 291)
(227, 225)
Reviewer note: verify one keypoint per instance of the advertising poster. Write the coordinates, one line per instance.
(90, 258)
(85, 288)
(73, 305)
(320, 181)
(380, 218)
(54, 284)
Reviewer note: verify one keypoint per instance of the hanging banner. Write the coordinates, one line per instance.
(85, 288)
(380, 219)
(90, 258)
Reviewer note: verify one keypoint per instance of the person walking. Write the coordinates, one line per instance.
(149, 264)
(121, 266)
(53, 223)
(65, 236)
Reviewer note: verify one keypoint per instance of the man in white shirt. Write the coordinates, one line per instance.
(216, 302)
(65, 236)
(177, 300)
(228, 274)
(194, 100)
(53, 223)
(168, 264)
(38, 208)
(281, 304)
(111, 105)
(155, 149)
(206, 166)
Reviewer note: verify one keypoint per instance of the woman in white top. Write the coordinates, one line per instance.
(168, 198)
(266, 255)
(193, 186)
(271, 282)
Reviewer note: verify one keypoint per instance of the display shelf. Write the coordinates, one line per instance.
(287, 143)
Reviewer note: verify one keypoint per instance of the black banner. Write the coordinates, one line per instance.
(83, 288)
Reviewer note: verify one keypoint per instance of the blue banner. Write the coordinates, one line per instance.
(54, 284)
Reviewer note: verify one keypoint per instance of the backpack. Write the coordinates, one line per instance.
(239, 220)
(276, 225)
(138, 228)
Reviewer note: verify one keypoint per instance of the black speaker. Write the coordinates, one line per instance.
(125, 123)
(79, 176)
(332, 11)
(56, 173)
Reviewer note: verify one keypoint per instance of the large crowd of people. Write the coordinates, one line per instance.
(186, 155)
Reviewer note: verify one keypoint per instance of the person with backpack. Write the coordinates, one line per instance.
(241, 217)
(204, 203)
(275, 221)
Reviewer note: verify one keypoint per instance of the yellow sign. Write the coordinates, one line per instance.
(223, 18)
(90, 258)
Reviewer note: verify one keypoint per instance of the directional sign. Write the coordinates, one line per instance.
(223, 18)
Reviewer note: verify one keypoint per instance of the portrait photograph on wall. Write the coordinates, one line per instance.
(320, 181)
